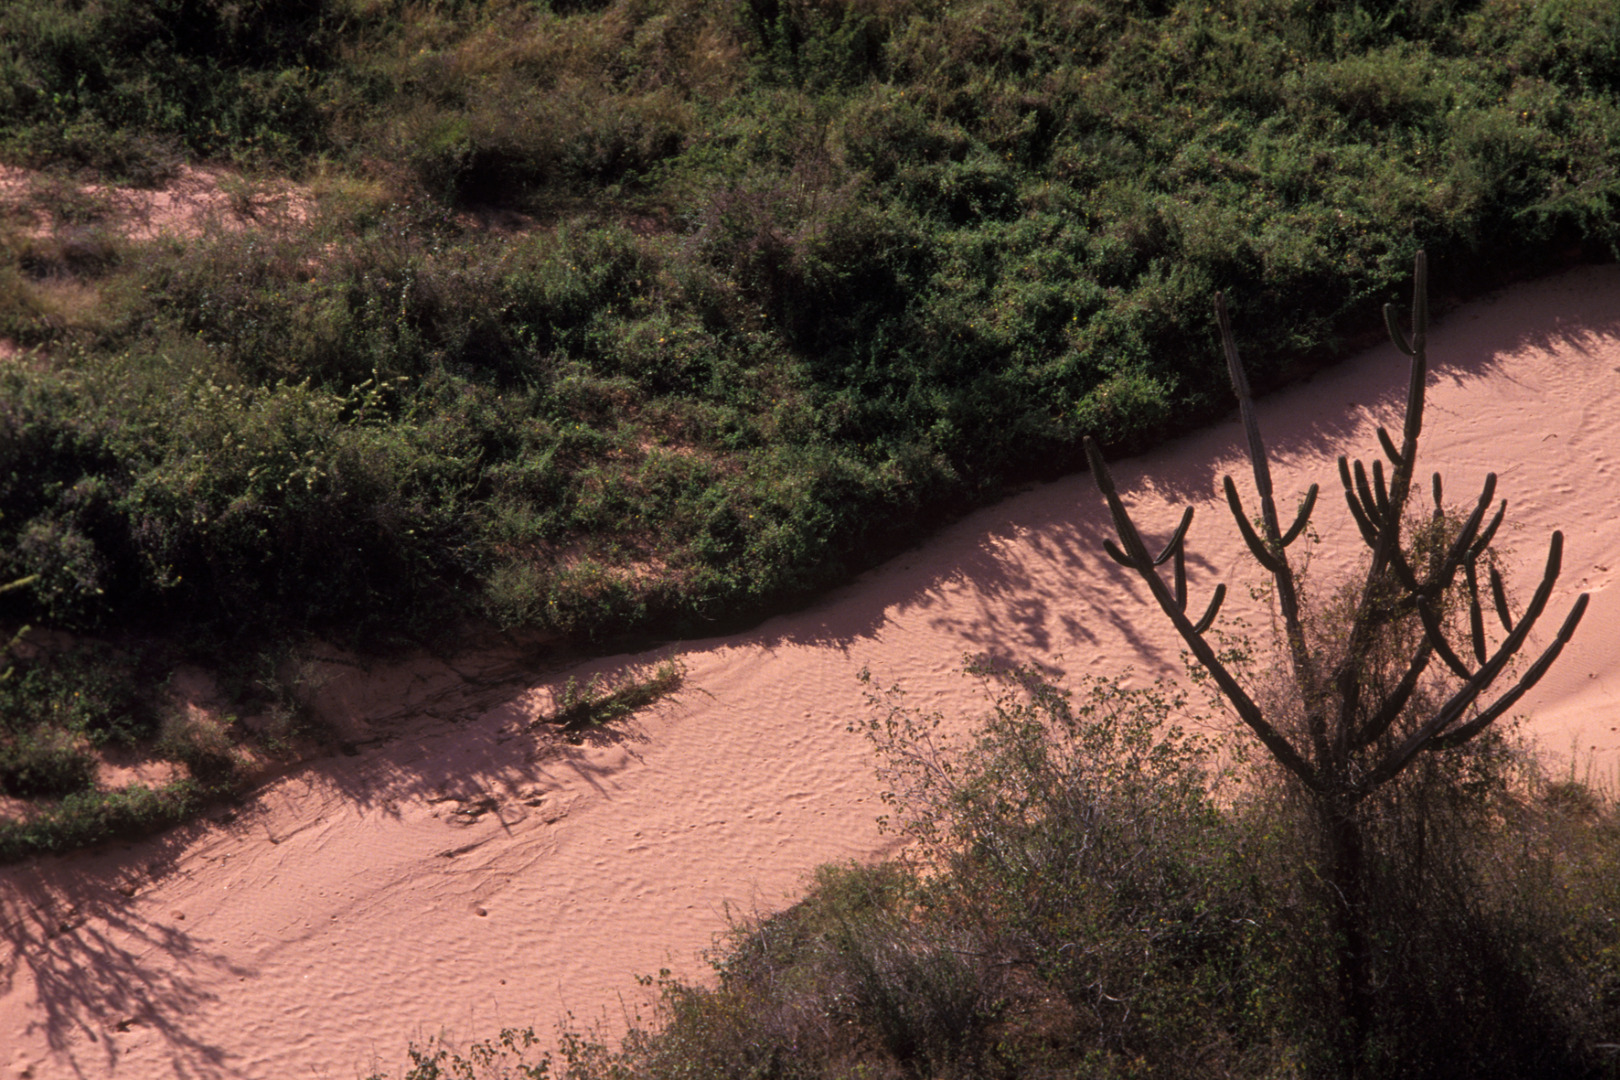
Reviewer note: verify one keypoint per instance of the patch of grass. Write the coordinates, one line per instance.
(92, 817)
(57, 706)
(584, 707)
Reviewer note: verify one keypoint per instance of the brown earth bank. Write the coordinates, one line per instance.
(463, 870)
(196, 200)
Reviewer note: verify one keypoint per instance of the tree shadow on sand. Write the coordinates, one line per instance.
(101, 968)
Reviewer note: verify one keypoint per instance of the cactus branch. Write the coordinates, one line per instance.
(1486, 717)
(1476, 617)
(1395, 333)
(1209, 613)
(1464, 543)
(1369, 531)
(1482, 679)
(1371, 741)
(1499, 596)
(1379, 490)
(1304, 516)
(1377, 729)
(1389, 447)
(1180, 576)
(1176, 538)
(1192, 634)
(1391, 708)
(1489, 534)
(1257, 547)
(1435, 730)
(1421, 600)
(1369, 504)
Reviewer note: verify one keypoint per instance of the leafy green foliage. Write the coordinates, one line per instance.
(55, 709)
(801, 279)
(92, 817)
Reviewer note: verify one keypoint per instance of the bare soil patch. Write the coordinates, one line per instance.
(199, 199)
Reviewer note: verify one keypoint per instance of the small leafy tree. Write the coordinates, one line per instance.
(1360, 708)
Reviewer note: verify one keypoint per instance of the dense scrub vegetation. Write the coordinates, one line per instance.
(802, 279)
(1089, 895)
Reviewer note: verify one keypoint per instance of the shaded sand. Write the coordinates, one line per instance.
(463, 872)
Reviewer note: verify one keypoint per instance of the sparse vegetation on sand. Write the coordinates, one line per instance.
(581, 708)
(1091, 896)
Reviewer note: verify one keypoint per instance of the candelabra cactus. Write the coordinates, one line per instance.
(1357, 725)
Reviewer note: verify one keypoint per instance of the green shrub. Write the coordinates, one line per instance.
(890, 259)
(56, 706)
(92, 817)
(45, 762)
(1084, 896)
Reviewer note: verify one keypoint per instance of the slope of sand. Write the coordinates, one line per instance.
(460, 874)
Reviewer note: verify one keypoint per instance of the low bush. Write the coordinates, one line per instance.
(56, 707)
(92, 817)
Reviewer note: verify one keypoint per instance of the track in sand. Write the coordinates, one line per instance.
(458, 874)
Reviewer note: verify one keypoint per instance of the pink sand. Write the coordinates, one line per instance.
(463, 873)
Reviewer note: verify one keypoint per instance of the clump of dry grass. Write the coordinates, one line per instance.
(580, 708)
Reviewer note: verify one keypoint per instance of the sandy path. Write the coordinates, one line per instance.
(456, 875)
